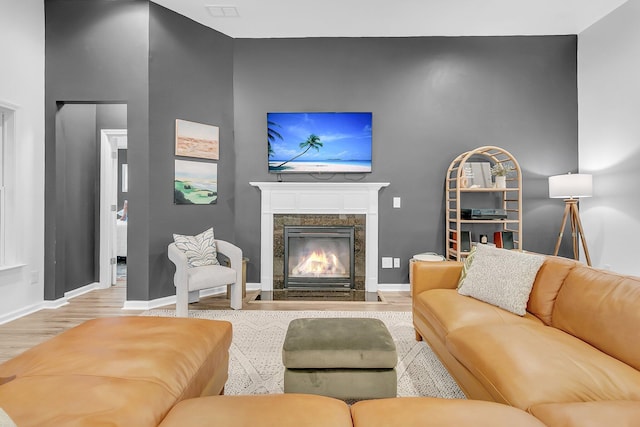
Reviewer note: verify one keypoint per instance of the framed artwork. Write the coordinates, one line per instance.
(196, 183)
(478, 175)
(197, 140)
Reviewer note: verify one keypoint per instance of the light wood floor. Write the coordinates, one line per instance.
(24, 333)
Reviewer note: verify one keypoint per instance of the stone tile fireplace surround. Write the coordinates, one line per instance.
(309, 201)
(325, 220)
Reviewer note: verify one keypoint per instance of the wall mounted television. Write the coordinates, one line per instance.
(319, 142)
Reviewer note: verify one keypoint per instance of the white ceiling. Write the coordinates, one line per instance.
(396, 18)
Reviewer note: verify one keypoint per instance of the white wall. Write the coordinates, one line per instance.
(609, 137)
(22, 85)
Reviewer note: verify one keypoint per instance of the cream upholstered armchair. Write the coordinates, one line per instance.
(189, 280)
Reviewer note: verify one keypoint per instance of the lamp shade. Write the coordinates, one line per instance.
(570, 186)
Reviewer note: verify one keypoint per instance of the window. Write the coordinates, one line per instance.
(6, 141)
(2, 191)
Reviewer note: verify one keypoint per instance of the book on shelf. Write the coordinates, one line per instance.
(503, 239)
(465, 241)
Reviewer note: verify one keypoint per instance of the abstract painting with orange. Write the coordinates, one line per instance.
(197, 140)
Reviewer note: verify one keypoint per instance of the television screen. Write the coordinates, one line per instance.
(319, 142)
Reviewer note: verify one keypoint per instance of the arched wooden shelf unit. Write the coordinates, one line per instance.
(459, 193)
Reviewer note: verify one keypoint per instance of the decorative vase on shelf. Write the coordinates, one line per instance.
(500, 170)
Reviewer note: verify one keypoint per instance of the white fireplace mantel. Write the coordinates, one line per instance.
(319, 198)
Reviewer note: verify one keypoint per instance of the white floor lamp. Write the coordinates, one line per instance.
(571, 187)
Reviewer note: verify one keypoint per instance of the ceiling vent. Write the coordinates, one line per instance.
(222, 11)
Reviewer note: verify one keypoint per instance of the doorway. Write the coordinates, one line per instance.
(87, 188)
(114, 216)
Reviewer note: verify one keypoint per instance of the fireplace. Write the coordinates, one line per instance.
(280, 200)
(324, 234)
(319, 257)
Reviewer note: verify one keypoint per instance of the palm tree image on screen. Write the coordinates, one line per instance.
(313, 141)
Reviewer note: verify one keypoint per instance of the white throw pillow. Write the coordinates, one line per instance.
(502, 277)
(200, 250)
(5, 421)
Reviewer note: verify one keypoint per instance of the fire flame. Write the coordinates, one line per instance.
(319, 263)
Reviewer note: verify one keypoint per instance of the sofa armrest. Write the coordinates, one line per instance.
(179, 259)
(234, 254)
(435, 275)
(588, 414)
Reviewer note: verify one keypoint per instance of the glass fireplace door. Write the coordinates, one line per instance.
(318, 257)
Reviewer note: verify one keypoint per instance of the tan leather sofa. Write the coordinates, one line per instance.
(572, 360)
(122, 371)
(149, 371)
(306, 410)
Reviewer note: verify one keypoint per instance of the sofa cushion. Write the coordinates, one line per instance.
(85, 400)
(282, 410)
(601, 308)
(501, 277)
(621, 413)
(446, 310)
(116, 371)
(210, 276)
(200, 249)
(525, 364)
(545, 289)
(429, 411)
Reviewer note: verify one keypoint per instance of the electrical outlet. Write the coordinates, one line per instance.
(396, 263)
(396, 202)
(387, 262)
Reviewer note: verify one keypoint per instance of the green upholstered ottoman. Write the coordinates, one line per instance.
(346, 358)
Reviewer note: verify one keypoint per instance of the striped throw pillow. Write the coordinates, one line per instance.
(200, 250)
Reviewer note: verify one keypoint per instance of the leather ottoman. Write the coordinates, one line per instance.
(345, 358)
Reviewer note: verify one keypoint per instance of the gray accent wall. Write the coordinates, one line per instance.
(190, 78)
(96, 52)
(163, 66)
(431, 98)
(78, 145)
(76, 136)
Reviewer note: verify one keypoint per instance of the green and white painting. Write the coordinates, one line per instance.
(196, 183)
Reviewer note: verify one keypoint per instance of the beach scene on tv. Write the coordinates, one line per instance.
(319, 142)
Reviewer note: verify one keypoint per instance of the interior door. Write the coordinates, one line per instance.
(110, 141)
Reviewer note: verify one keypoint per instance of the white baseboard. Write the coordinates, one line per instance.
(48, 304)
(24, 311)
(394, 287)
(254, 287)
(149, 305)
(83, 290)
(171, 299)
(53, 304)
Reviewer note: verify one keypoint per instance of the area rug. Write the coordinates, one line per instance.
(255, 365)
